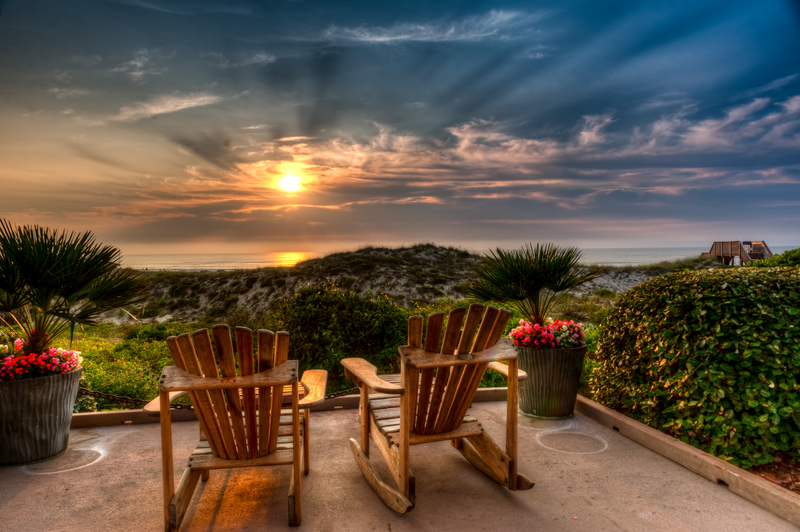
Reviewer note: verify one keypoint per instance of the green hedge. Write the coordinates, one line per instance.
(327, 324)
(787, 258)
(712, 357)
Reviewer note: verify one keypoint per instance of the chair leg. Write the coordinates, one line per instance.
(204, 475)
(295, 501)
(183, 496)
(390, 496)
(295, 493)
(306, 438)
(166, 456)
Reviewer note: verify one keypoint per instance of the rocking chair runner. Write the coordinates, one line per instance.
(436, 391)
(240, 416)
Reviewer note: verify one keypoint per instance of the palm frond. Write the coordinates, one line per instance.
(57, 280)
(530, 279)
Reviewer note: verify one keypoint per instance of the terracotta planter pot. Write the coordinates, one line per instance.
(35, 415)
(554, 377)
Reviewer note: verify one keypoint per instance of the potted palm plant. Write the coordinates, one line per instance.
(532, 280)
(50, 282)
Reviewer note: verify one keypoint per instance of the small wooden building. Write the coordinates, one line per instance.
(745, 251)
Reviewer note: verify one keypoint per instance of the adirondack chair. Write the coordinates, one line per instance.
(437, 388)
(240, 415)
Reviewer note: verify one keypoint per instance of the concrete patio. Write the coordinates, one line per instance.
(588, 478)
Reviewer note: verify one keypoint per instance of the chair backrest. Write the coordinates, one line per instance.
(237, 426)
(444, 394)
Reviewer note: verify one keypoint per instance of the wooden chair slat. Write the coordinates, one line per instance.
(281, 354)
(460, 376)
(453, 331)
(266, 345)
(386, 413)
(432, 338)
(415, 331)
(207, 423)
(412, 394)
(440, 383)
(227, 367)
(266, 358)
(487, 326)
(244, 349)
(471, 325)
(470, 382)
(452, 334)
(377, 404)
(497, 331)
(175, 351)
(492, 328)
(449, 397)
(218, 431)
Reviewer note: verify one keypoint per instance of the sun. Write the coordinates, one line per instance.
(290, 183)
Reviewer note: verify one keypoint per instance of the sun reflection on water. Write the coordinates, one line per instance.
(289, 258)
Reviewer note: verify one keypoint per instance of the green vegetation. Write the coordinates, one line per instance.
(530, 280)
(787, 258)
(712, 357)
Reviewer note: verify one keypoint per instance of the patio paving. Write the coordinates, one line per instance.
(588, 478)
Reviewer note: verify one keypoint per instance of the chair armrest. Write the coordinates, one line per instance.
(315, 381)
(154, 406)
(174, 378)
(418, 358)
(359, 370)
(503, 368)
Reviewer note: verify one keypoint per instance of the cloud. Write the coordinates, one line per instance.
(260, 58)
(142, 64)
(761, 123)
(496, 24)
(168, 103)
(62, 93)
(773, 85)
(592, 132)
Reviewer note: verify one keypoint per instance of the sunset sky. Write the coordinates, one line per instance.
(169, 126)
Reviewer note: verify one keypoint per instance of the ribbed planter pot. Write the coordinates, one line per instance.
(35, 415)
(554, 376)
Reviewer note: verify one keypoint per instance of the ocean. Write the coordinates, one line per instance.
(246, 261)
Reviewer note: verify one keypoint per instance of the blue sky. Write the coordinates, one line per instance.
(168, 126)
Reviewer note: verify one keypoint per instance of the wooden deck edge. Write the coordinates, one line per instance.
(779, 501)
(124, 417)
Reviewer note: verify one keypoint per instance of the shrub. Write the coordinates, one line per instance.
(328, 324)
(711, 356)
(787, 258)
(157, 332)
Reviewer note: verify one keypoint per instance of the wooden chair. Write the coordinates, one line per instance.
(240, 415)
(437, 388)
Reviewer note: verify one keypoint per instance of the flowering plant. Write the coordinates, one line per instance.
(550, 335)
(51, 362)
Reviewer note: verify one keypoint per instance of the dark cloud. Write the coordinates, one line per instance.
(213, 148)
